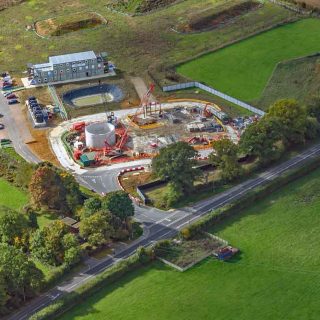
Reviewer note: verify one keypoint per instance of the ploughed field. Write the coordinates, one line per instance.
(276, 275)
(243, 69)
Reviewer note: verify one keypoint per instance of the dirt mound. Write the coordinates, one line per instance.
(69, 23)
(139, 6)
(217, 19)
(307, 4)
(4, 4)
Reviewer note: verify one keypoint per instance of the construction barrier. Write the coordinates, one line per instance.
(195, 84)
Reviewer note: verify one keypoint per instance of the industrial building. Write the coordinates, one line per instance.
(68, 67)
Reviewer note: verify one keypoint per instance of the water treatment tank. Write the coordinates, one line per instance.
(99, 132)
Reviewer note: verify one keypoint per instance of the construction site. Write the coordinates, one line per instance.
(141, 132)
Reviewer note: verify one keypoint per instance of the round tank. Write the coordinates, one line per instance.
(99, 133)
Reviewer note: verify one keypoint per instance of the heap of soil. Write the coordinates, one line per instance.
(62, 25)
(149, 5)
(220, 18)
(143, 7)
(4, 4)
(307, 4)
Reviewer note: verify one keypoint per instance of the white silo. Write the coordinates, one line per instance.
(98, 133)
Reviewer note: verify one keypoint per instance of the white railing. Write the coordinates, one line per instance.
(195, 84)
(58, 102)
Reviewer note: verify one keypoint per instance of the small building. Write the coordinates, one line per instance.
(72, 224)
(70, 67)
(88, 159)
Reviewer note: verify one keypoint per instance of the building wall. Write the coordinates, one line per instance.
(69, 71)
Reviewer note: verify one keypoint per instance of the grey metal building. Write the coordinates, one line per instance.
(68, 67)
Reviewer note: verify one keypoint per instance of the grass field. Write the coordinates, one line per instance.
(298, 79)
(243, 69)
(10, 196)
(275, 277)
(133, 43)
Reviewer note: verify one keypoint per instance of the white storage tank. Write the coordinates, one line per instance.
(98, 133)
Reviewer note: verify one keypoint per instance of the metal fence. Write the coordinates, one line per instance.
(215, 92)
(58, 102)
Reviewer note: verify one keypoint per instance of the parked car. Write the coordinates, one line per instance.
(13, 101)
(1, 115)
(11, 96)
(7, 93)
(1, 126)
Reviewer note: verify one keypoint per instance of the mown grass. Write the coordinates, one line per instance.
(14, 198)
(11, 196)
(276, 276)
(243, 69)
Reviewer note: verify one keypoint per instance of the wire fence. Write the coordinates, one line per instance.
(195, 84)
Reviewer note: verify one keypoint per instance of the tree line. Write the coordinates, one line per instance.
(23, 242)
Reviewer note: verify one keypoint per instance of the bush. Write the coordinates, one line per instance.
(107, 277)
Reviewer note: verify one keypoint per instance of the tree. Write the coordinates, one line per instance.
(73, 197)
(119, 204)
(55, 189)
(72, 252)
(3, 294)
(176, 163)
(313, 108)
(13, 225)
(46, 188)
(260, 140)
(91, 206)
(23, 174)
(96, 229)
(51, 244)
(312, 128)
(225, 158)
(22, 277)
(292, 118)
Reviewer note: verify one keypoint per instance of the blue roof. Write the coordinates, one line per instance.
(72, 57)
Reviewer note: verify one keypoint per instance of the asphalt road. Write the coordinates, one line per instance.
(162, 225)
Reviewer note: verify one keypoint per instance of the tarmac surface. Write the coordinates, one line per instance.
(16, 129)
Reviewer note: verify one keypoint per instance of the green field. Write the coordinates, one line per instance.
(243, 69)
(298, 79)
(134, 44)
(275, 277)
(10, 196)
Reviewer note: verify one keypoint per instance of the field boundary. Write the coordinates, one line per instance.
(234, 208)
(153, 71)
(230, 43)
(215, 92)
